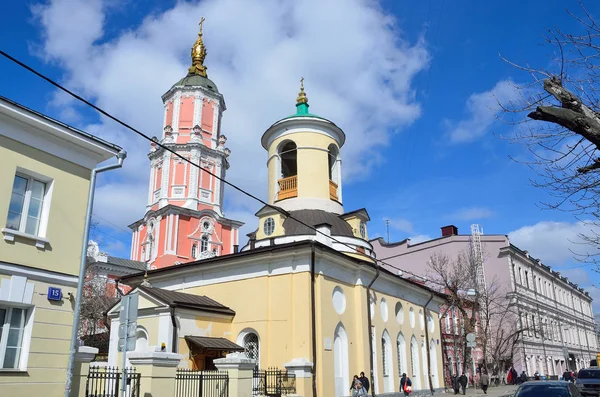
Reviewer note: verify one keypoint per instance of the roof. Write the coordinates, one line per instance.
(197, 81)
(136, 265)
(214, 344)
(339, 227)
(180, 299)
(60, 123)
(360, 212)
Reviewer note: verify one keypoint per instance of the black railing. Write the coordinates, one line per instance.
(273, 382)
(107, 381)
(190, 383)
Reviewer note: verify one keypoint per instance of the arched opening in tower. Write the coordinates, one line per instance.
(334, 171)
(288, 182)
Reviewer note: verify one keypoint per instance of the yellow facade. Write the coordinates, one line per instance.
(70, 186)
(38, 148)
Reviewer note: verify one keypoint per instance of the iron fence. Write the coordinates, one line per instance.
(107, 381)
(190, 383)
(273, 382)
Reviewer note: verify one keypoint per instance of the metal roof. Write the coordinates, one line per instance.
(214, 344)
(339, 227)
(136, 265)
(180, 299)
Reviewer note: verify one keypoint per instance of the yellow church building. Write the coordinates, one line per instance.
(305, 293)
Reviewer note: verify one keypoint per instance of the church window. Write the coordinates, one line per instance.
(194, 249)
(363, 229)
(204, 244)
(289, 165)
(269, 226)
(251, 346)
(206, 225)
(333, 157)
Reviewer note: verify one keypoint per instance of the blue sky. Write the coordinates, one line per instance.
(411, 83)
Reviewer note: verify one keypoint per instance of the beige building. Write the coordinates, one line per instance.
(305, 293)
(44, 185)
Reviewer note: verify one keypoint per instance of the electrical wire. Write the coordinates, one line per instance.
(166, 148)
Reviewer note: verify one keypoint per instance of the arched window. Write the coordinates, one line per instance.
(288, 155)
(414, 363)
(386, 356)
(333, 162)
(434, 364)
(204, 244)
(194, 251)
(424, 362)
(252, 346)
(401, 346)
(340, 361)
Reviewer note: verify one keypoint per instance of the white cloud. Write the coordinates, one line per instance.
(472, 213)
(555, 243)
(403, 225)
(481, 111)
(357, 67)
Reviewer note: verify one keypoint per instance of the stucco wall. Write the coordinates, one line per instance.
(67, 208)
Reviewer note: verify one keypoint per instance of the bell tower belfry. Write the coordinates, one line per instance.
(184, 218)
(305, 187)
(304, 161)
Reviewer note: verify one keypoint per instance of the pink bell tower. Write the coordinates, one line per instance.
(184, 218)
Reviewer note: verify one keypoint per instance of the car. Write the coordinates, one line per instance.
(588, 381)
(547, 389)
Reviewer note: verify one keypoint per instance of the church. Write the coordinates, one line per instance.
(304, 293)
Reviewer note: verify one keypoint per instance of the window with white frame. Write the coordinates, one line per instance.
(27, 200)
(12, 331)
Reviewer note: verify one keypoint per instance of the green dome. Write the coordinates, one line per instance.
(197, 80)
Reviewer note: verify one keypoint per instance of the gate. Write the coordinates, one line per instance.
(106, 382)
(273, 382)
(190, 383)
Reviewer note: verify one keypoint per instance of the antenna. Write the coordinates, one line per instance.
(387, 226)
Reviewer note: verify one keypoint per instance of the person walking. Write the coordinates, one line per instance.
(523, 378)
(514, 375)
(352, 385)
(359, 390)
(365, 381)
(536, 376)
(484, 381)
(405, 385)
(463, 380)
(455, 384)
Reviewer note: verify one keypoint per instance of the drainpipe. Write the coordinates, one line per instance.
(371, 352)
(427, 344)
(174, 339)
(313, 318)
(86, 235)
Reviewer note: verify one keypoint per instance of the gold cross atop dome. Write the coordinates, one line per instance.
(198, 55)
(301, 95)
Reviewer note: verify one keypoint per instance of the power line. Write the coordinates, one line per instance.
(252, 196)
(111, 224)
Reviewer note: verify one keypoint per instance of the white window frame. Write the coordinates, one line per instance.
(25, 339)
(40, 237)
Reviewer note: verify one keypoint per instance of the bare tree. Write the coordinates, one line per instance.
(561, 128)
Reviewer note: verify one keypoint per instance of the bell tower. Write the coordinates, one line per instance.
(184, 218)
(304, 164)
(305, 182)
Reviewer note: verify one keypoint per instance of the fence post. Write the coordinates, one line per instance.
(83, 358)
(157, 372)
(240, 370)
(302, 368)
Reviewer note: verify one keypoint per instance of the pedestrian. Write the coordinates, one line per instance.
(405, 385)
(359, 390)
(484, 380)
(567, 376)
(524, 378)
(455, 384)
(536, 376)
(463, 383)
(515, 376)
(354, 380)
(365, 381)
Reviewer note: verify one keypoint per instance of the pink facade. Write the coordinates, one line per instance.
(184, 218)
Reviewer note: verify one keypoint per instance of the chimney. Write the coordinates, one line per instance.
(236, 248)
(449, 230)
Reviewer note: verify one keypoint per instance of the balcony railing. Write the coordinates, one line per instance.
(333, 190)
(288, 187)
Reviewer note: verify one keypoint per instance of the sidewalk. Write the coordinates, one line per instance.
(497, 391)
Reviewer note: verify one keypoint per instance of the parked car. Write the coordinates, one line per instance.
(588, 381)
(547, 389)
